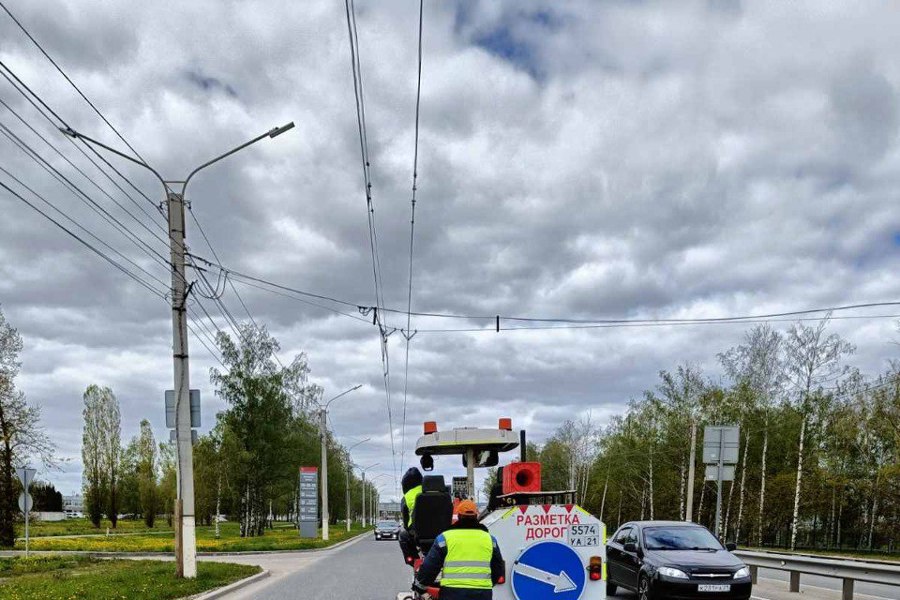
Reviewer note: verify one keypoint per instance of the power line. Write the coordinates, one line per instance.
(408, 334)
(85, 175)
(83, 228)
(31, 153)
(565, 323)
(680, 322)
(83, 242)
(370, 206)
(67, 78)
(21, 87)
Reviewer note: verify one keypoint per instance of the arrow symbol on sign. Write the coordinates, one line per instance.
(560, 583)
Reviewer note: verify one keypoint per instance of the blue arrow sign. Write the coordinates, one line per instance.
(548, 570)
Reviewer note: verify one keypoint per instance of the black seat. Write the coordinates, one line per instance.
(433, 512)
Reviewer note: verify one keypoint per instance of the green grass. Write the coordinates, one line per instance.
(84, 527)
(84, 578)
(280, 538)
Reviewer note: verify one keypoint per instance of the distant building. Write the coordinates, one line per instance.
(73, 505)
(389, 510)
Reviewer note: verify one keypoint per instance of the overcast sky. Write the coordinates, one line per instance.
(578, 160)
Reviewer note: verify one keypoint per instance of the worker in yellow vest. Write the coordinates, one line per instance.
(468, 557)
(411, 483)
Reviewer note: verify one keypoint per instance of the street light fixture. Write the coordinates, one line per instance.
(350, 466)
(323, 428)
(185, 533)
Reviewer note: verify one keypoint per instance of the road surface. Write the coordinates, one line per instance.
(364, 569)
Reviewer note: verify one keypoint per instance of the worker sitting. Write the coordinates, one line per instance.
(411, 483)
(467, 555)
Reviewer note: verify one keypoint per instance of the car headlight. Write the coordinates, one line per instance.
(674, 573)
(742, 572)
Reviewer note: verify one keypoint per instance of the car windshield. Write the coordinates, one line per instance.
(387, 524)
(680, 538)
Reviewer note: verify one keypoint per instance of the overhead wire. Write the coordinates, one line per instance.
(81, 195)
(53, 147)
(80, 240)
(7, 73)
(93, 150)
(31, 96)
(227, 281)
(549, 323)
(359, 96)
(409, 333)
(67, 78)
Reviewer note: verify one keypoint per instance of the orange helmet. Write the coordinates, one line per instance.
(467, 508)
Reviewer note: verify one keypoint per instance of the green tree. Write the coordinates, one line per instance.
(21, 435)
(143, 453)
(259, 417)
(92, 446)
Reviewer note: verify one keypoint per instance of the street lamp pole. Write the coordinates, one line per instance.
(364, 489)
(185, 524)
(350, 466)
(373, 499)
(323, 429)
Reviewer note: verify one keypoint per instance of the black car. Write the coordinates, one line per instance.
(387, 530)
(674, 560)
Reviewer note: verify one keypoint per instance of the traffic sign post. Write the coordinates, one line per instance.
(26, 503)
(721, 445)
(308, 502)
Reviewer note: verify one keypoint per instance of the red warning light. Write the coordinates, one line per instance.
(430, 427)
(595, 568)
(505, 424)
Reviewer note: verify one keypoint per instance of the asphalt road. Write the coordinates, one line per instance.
(361, 570)
(368, 570)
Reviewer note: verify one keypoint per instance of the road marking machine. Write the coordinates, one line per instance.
(553, 549)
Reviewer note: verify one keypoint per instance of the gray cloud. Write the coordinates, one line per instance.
(578, 159)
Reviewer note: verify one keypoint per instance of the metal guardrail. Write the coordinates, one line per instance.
(849, 571)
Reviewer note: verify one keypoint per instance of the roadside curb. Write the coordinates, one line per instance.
(232, 587)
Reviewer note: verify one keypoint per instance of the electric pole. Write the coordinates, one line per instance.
(185, 522)
(350, 466)
(323, 431)
(185, 525)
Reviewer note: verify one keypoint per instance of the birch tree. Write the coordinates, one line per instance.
(22, 438)
(757, 363)
(680, 392)
(812, 359)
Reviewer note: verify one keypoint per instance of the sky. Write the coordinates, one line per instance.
(579, 160)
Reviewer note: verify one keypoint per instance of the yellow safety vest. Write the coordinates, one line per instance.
(410, 499)
(468, 561)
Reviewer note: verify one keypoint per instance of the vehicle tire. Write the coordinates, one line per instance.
(610, 589)
(644, 592)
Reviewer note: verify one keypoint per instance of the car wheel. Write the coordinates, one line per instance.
(644, 591)
(610, 589)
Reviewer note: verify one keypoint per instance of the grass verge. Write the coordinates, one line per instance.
(85, 578)
(85, 527)
(280, 538)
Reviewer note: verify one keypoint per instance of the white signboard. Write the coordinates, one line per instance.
(724, 440)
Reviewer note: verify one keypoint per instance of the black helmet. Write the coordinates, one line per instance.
(411, 479)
